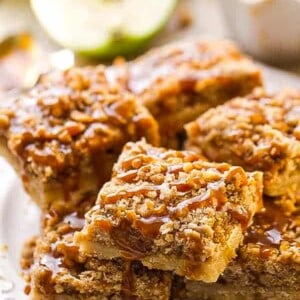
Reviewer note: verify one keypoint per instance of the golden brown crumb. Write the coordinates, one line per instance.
(274, 235)
(57, 123)
(27, 253)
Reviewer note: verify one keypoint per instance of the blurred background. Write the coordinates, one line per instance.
(190, 17)
(39, 35)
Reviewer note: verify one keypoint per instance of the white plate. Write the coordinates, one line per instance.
(19, 217)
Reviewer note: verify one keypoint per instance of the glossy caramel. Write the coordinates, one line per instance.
(273, 226)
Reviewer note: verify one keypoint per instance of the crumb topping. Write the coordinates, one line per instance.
(180, 81)
(70, 116)
(255, 132)
(176, 195)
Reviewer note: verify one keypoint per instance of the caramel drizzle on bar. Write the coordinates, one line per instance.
(56, 259)
(215, 191)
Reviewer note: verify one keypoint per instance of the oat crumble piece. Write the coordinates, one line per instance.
(172, 210)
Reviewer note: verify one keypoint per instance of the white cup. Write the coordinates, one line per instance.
(266, 29)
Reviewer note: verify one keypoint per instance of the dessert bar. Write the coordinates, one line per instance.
(172, 210)
(179, 81)
(257, 132)
(64, 135)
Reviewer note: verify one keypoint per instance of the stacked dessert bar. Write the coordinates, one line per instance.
(60, 271)
(172, 211)
(131, 242)
(258, 132)
(166, 224)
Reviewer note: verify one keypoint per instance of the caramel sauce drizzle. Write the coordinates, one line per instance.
(196, 58)
(140, 232)
(128, 176)
(113, 110)
(151, 226)
(132, 243)
(114, 197)
(198, 201)
(128, 163)
(175, 169)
